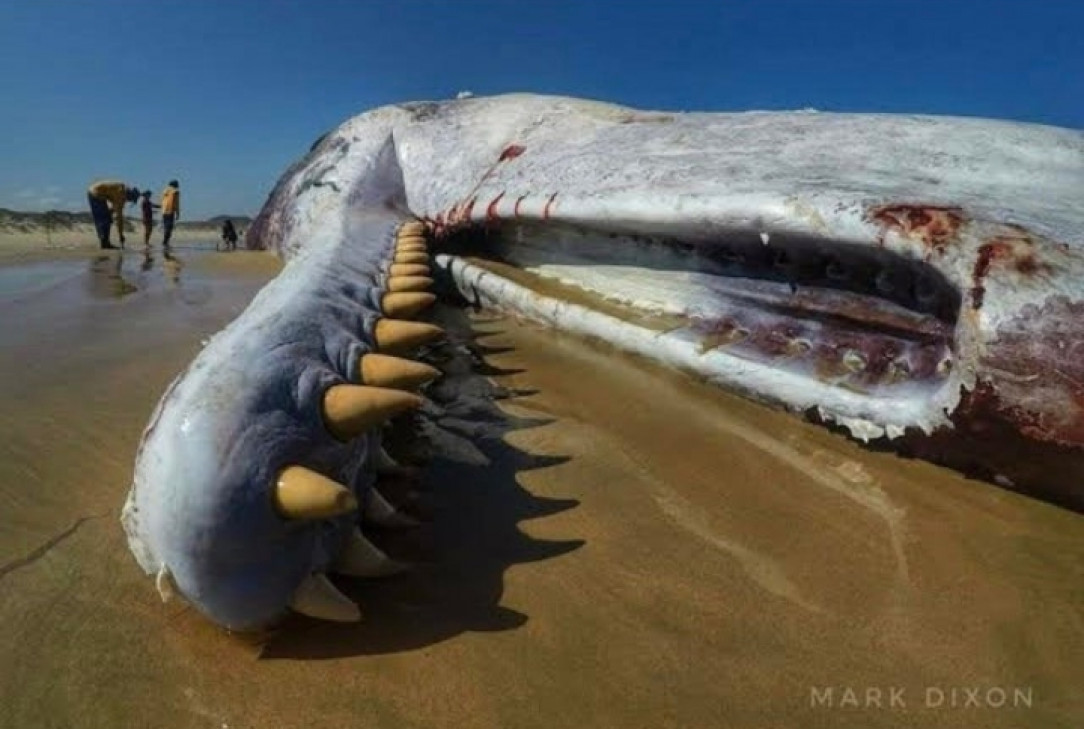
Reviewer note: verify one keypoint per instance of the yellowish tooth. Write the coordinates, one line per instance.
(380, 370)
(394, 335)
(409, 283)
(408, 269)
(350, 410)
(412, 227)
(411, 257)
(318, 598)
(406, 304)
(362, 558)
(301, 493)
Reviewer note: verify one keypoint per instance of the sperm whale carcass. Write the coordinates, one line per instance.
(913, 280)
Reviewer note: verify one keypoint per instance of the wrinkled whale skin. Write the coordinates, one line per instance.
(993, 208)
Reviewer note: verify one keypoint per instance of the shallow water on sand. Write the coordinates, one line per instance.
(637, 550)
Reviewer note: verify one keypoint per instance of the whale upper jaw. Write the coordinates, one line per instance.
(980, 215)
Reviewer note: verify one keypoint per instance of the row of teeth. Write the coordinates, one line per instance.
(351, 411)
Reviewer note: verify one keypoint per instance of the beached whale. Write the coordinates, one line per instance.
(915, 281)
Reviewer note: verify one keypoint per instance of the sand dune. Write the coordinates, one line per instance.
(26, 235)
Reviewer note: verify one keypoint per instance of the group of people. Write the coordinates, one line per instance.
(108, 197)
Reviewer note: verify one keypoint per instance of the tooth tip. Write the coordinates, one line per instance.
(382, 370)
(350, 410)
(406, 304)
(301, 493)
(396, 334)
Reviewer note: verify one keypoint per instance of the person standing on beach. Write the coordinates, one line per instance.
(107, 199)
(229, 236)
(147, 207)
(171, 210)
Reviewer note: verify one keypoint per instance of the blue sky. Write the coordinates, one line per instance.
(224, 94)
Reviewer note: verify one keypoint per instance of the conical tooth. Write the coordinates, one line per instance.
(381, 370)
(380, 512)
(384, 464)
(318, 598)
(350, 410)
(396, 335)
(411, 257)
(406, 304)
(408, 269)
(412, 227)
(301, 493)
(409, 283)
(362, 558)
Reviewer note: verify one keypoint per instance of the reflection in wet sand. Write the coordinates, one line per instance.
(172, 266)
(106, 279)
(606, 544)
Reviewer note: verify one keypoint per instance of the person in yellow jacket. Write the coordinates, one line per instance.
(171, 210)
(107, 198)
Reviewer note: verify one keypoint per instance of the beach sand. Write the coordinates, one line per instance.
(636, 549)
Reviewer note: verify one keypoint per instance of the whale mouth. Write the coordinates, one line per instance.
(847, 316)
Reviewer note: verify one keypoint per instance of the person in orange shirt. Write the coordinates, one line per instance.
(107, 199)
(171, 210)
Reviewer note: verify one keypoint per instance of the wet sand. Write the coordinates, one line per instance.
(615, 546)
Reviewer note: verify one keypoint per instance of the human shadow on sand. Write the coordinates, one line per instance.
(470, 504)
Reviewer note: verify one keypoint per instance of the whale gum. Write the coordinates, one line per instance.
(733, 557)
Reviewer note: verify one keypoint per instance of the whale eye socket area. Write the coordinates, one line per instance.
(301, 493)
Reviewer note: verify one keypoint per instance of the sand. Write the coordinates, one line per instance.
(638, 551)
